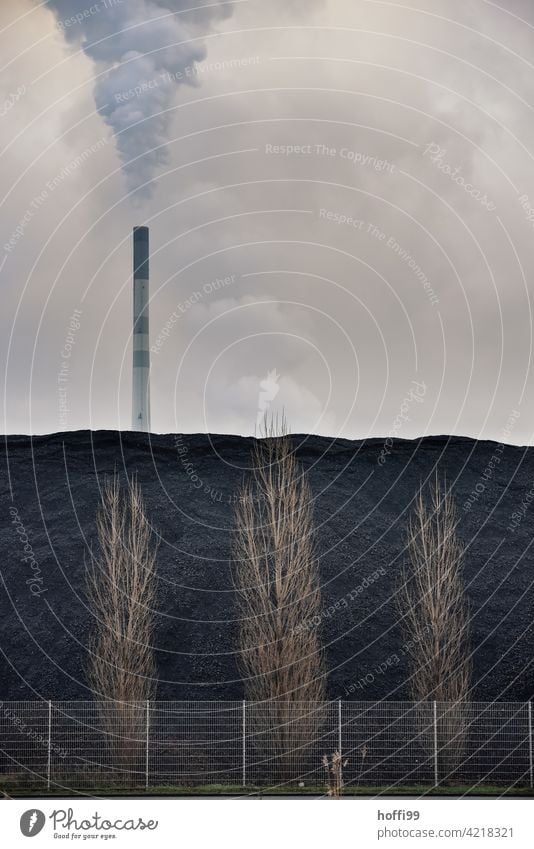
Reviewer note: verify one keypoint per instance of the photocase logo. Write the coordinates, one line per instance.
(32, 822)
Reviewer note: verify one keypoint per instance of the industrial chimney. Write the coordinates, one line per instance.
(141, 349)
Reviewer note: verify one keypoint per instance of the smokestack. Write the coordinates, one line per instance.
(141, 344)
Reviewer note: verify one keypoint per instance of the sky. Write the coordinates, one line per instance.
(340, 195)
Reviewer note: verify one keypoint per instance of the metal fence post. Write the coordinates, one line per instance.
(339, 738)
(244, 744)
(436, 775)
(146, 742)
(49, 763)
(531, 773)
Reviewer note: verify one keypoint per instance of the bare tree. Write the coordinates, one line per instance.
(277, 577)
(334, 765)
(121, 584)
(436, 615)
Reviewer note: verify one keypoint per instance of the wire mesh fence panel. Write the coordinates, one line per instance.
(286, 741)
(108, 745)
(436, 743)
(195, 743)
(24, 743)
(98, 744)
(497, 748)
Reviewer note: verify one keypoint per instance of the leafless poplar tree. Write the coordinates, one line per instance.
(278, 587)
(121, 584)
(436, 616)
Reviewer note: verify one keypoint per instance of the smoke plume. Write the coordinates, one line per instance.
(142, 49)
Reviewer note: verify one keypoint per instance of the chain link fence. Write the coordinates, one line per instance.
(91, 745)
